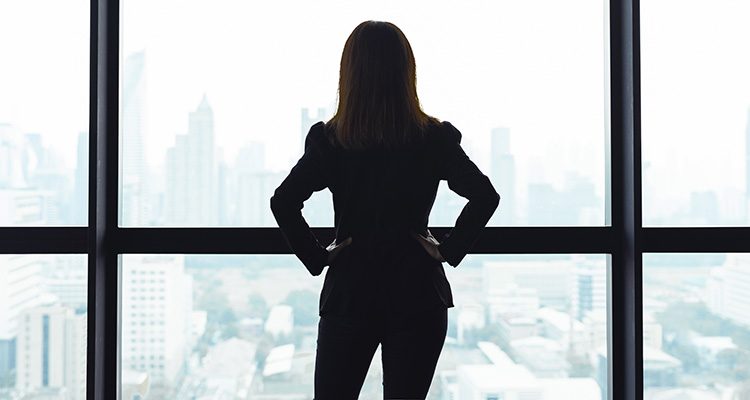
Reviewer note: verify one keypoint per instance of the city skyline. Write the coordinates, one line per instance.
(61, 195)
(539, 318)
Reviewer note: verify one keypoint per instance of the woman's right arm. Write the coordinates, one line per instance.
(465, 178)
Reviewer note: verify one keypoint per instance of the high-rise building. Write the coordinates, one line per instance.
(20, 204)
(549, 278)
(34, 157)
(81, 182)
(223, 201)
(254, 186)
(192, 177)
(51, 183)
(11, 150)
(503, 174)
(51, 351)
(580, 200)
(20, 288)
(253, 192)
(589, 289)
(20, 283)
(729, 289)
(33, 184)
(24, 206)
(132, 162)
(156, 319)
(66, 279)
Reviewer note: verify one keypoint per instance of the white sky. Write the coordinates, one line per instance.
(536, 66)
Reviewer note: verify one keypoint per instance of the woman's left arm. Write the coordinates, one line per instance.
(306, 177)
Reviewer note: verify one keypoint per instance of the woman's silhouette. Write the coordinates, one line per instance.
(382, 158)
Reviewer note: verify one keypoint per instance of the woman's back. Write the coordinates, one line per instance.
(379, 193)
(382, 195)
(382, 158)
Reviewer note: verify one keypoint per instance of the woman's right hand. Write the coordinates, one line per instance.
(334, 249)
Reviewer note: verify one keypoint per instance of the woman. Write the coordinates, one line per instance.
(382, 158)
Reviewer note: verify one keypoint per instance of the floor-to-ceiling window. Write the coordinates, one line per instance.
(44, 126)
(196, 111)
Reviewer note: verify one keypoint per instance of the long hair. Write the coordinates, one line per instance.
(377, 95)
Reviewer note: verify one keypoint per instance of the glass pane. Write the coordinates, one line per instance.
(696, 326)
(195, 325)
(215, 108)
(43, 326)
(44, 89)
(695, 94)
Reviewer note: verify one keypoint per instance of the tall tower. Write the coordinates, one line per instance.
(251, 194)
(202, 164)
(192, 181)
(81, 182)
(132, 162)
(503, 175)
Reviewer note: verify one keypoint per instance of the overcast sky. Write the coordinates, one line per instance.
(535, 66)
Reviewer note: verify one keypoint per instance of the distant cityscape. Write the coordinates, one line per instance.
(37, 189)
(244, 327)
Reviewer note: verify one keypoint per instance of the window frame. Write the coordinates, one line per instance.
(624, 238)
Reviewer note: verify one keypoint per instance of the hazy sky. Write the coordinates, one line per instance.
(481, 66)
(535, 66)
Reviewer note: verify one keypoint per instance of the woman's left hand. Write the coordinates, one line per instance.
(430, 244)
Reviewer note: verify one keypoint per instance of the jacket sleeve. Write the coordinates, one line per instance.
(465, 178)
(306, 177)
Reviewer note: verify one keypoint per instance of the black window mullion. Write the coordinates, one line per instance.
(102, 378)
(625, 323)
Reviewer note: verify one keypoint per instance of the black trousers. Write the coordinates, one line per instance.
(410, 348)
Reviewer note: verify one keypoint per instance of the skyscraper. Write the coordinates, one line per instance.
(192, 183)
(132, 162)
(156, 309)
(255, 185)
(503, 174)
(589, 289)
(728, 289)
(20, 283)
(51, 351)
(11, 150)
(81, 182)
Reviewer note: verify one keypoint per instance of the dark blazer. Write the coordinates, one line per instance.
(379, 197)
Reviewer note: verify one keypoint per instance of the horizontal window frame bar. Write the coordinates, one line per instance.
(269, 240)
(43, 240)
(696, 240)
(493, 240)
